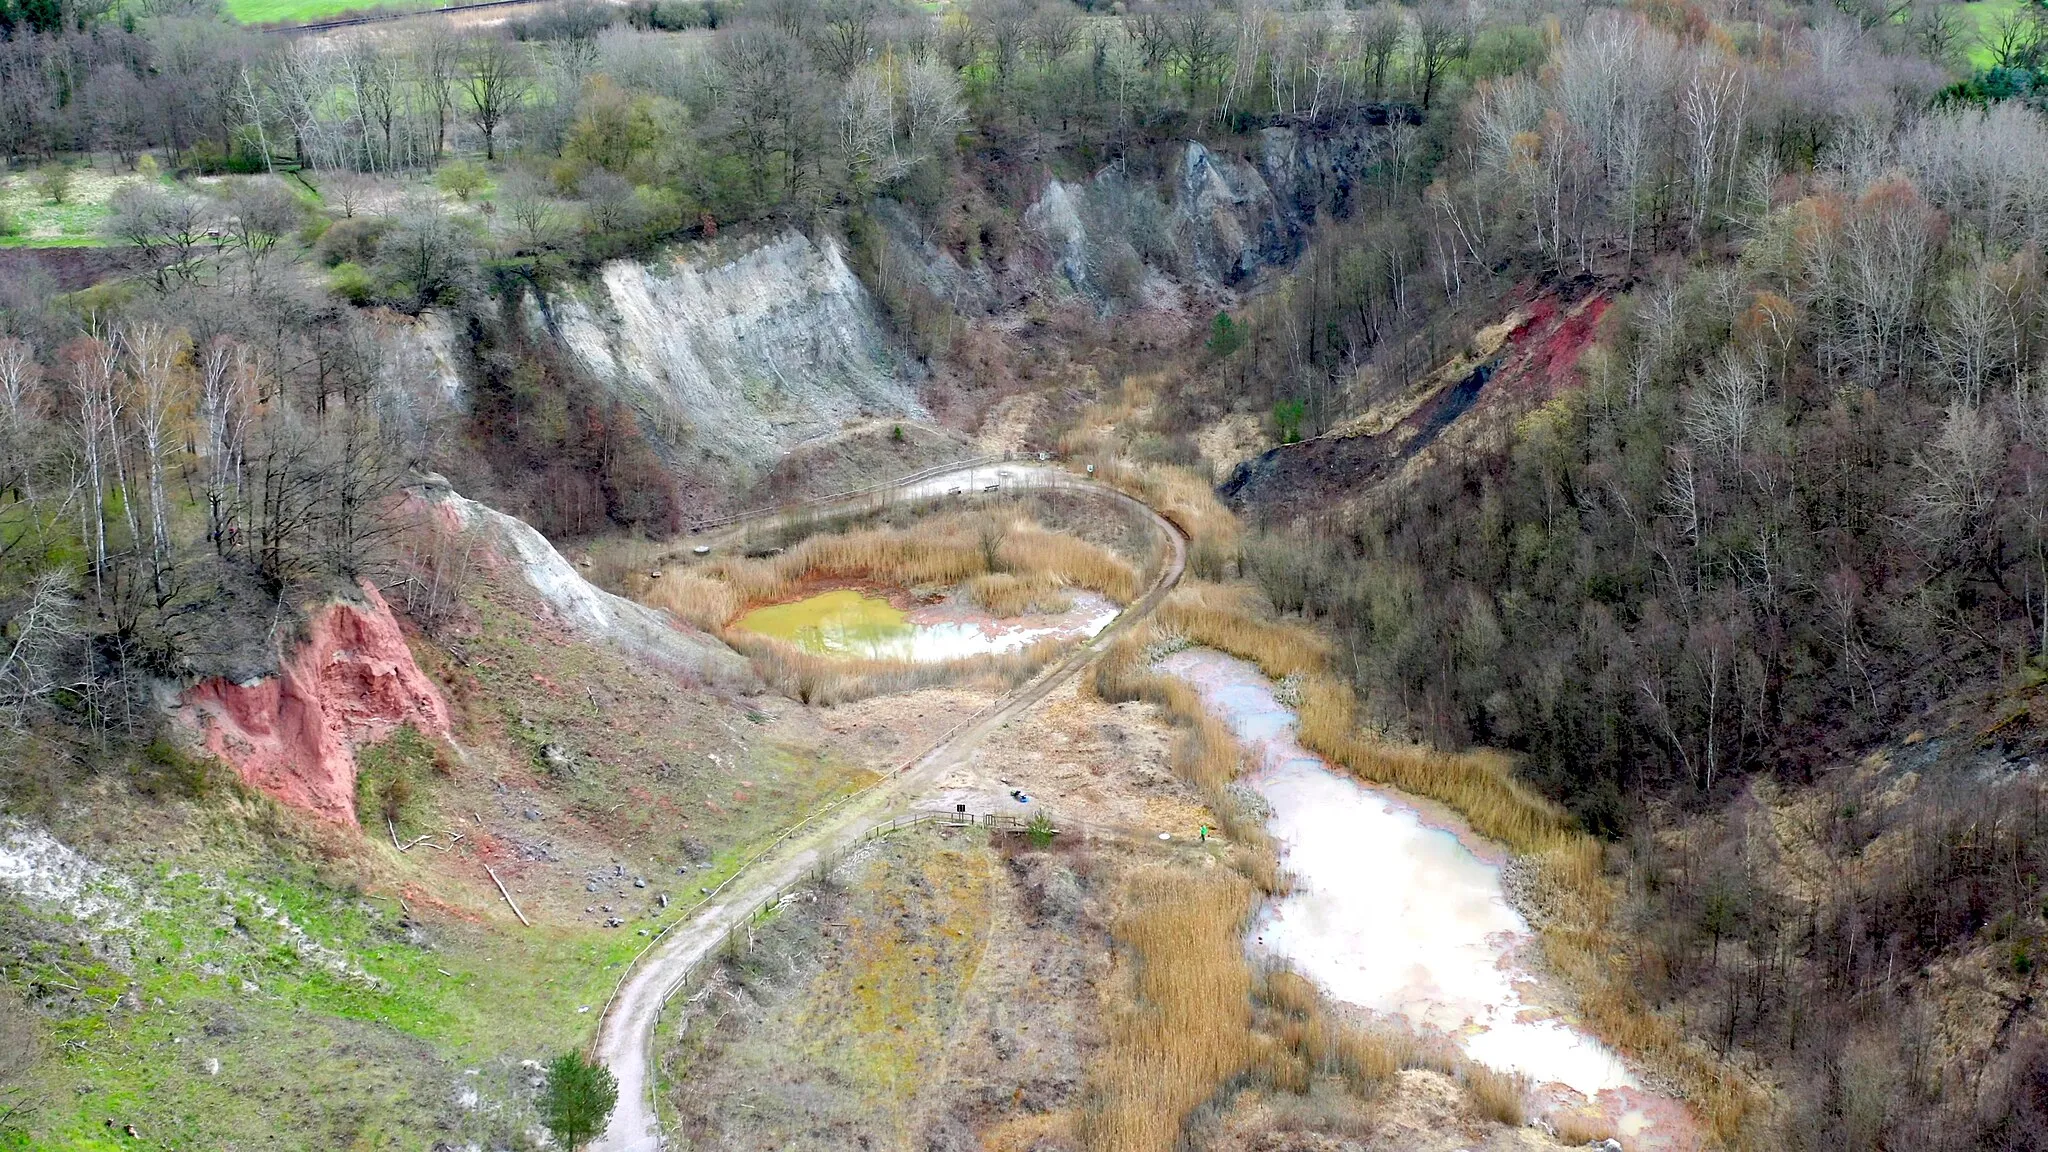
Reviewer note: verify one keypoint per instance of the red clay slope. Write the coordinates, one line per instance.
(294, 735)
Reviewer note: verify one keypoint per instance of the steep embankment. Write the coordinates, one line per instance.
(593, 613)
(1211, 220)
(1505, 371)
(352, 679)
(737, 353)
(293, 735)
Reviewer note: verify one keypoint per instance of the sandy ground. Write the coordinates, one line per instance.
(1105, 765)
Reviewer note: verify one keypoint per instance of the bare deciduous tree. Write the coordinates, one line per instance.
(1443, 36)
(845, 35)
(525, 204)
(1887, 245)
(33, 648)
(1711, 106)
(866, 124)
(157, 392)
(1053, 32)
(1381, 28)
(495, 78)
(19, 418)
(165, 228)
(1003, 26)
(227, 397)
(933, 108)
(436, 60)
(1199, 44)
(1725, 412)
(1957, 473)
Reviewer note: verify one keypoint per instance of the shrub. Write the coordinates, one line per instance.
(1498, 1096)
(461, 179)
(352, 282)
(427, 259)
(54, 182)
(1287, 420)
(352, 240)
(168, 770)
(1040, 831)
(1225, 335)
(390, 774)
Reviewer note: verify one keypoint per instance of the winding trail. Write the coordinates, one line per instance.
(626, 1033)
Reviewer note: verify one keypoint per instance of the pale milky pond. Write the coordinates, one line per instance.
(1392, 912)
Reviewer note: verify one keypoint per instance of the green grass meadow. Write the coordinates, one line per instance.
(306, 11)
(1979, 18)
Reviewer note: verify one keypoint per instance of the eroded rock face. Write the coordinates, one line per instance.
(580, 605)
(293, 735)
(1212, 219)
(1233, 227)
(738, 358)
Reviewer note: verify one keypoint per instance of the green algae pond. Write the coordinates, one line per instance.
(848, 623)
(842, 622)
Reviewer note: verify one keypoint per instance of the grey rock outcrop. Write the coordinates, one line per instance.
(737, 356)
(1213, 219)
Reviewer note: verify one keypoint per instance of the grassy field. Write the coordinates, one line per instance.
(1979, 20)
(228, 993)
(302, 11)
(831, 1028)
(229, 989)
(29, 219)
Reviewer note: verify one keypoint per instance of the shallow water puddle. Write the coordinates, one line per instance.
(1396, 912)
(846, 622)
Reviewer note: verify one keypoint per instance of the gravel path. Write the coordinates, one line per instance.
(625, 1035)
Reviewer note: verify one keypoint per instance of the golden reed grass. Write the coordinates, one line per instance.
(943, 551)
(1002, 594)
(1189, 1021)
(1182, 495)
(828, 680)
(1181, 1025)
(1009, 565)
(1576, 1131)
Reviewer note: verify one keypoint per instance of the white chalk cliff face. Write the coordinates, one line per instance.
(738, 357)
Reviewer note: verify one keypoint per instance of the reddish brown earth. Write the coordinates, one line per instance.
(1538, 360)
(294, 735)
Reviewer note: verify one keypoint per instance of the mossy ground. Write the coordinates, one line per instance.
(32, 220)
(826, 1033)
(243, 994)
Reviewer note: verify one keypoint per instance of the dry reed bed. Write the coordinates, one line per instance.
(1009, 566)
(1182, 495)
(1004, 594)
(1182, 1026)
(1579, 932)
(975, 549)
(1186, 499)
(1190, 1022)
(830, 680)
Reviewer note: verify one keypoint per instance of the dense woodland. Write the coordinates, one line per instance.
(1798, 510)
